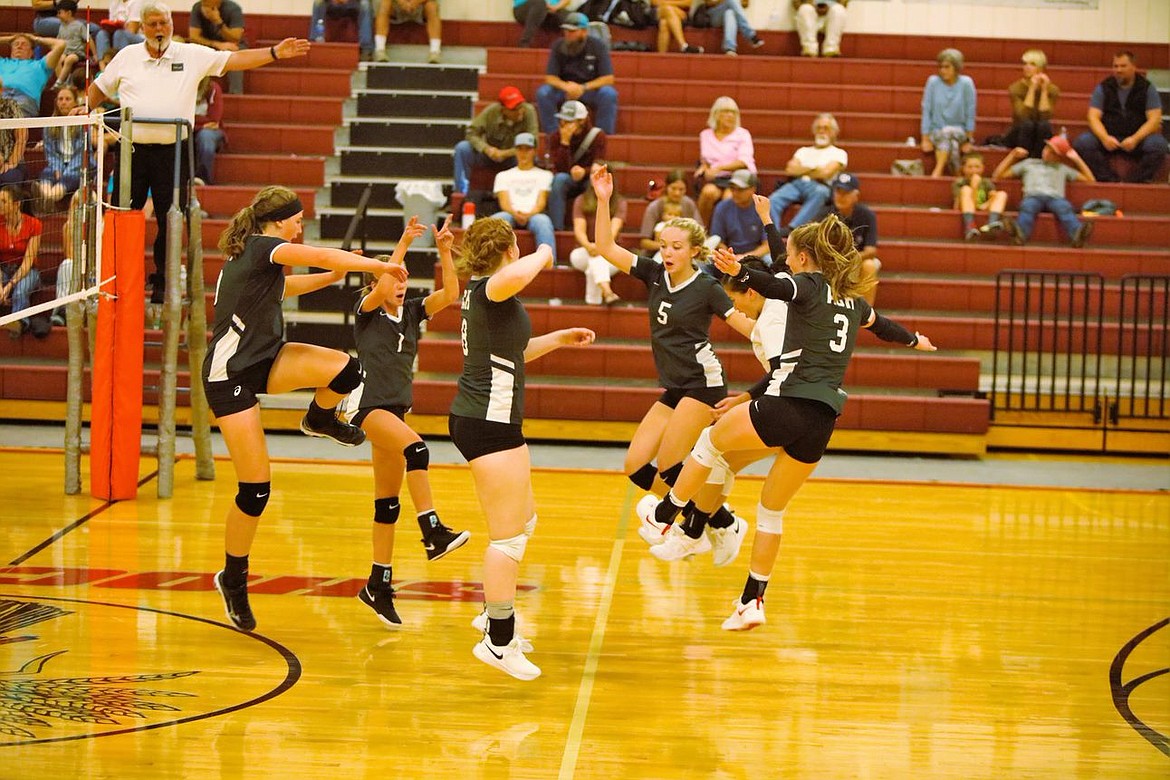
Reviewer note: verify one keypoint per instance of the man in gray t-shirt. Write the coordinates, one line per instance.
(1043, 188)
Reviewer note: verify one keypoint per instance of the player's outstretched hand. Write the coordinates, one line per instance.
(603, 183)
(763, 208)
(291, 47)
(444, 238)
(577, 337)
(726, 261)
(397, 271)
(924, 344)
(413, 230)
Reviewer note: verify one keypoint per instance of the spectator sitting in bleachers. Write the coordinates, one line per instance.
(12, 143)
(571, 150)
(219, 24)
(819, 16)
(671, 15)
(585, 257)
(400, 11)
(122, 28)
(724, 147)
(491, 137)
(948, 112)
(847, 206)
(1033, 99)
(46, 24)
(24, 76)
(1125, 119)
(812, 169)
(64, 150)
(972, 192)
(358, 10)
(579, 68)
(523, 194)
(76, 36)
(535, 14)
(209, 134)
(20, 241)
(1043, 188)
(736, 222)
(729, 15)
(673, 202)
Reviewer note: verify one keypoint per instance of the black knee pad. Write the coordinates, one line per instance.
(348, 378)
(418, 457)
(252, 497)
(644, 476)
(670, 475)
(386, 510)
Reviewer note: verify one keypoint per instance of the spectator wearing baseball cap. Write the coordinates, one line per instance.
(490, 140)
(1043, 188)
(537, 14)
(861, 220)
(572, 148)
(523, 194)
(736, 221)
(579, 68)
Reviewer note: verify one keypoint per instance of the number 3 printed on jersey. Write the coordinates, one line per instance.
(663, 311)
(838, 344)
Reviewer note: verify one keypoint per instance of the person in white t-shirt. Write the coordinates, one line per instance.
(812, 168)
(523, 194)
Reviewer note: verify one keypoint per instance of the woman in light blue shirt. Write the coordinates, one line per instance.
(948, 112)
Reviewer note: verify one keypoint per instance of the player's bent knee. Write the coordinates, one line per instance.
(644, 476)
(418, 457)
(769, 521)
(348, 378)
(513, 547)
(704, 452)
(252, 497)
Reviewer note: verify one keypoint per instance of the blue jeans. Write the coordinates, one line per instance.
(121, 39)
(539, 225)
(365, 23)
(207, 143)
(49, 26)
(733, 23)
(811, 194)
(1148, 155)
(23, 289)
(1032, 205)
(467, 158)
(562, 192)
(603, 102)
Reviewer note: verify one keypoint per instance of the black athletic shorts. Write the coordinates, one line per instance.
(475, 438)
(238, 393)
(364, 412)
(801, 426)
(707, 395)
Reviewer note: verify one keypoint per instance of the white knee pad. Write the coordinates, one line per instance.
(704, 451)
(728, 483)
(513, 548)
(770, 521)
(717, 476)
(530, 526)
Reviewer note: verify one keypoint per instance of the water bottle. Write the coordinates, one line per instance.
(318, 30)
(468, 214)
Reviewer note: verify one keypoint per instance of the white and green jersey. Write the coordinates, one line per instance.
(249, 325)
(494, 336)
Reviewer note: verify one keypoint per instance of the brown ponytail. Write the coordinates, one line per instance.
(830, 244)
(244, 223)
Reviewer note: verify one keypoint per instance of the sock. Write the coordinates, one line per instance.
(235, 570)
(436, 44)
(694, 523)
(317, 415)
(968, 220)
(379, 43)
(754, 588)
(501, 622)
(381, 575)
(994, 218)
(721, 518)
(668, 509)
(428, 521)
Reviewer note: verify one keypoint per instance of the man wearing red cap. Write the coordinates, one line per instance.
(491, 136)
(1043, 189)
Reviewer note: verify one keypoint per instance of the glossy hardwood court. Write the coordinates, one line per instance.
(914, 631)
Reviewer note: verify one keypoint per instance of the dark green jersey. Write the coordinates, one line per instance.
(494, 336)
(386, 346)
(249, 325)
(821, 335)
(679, 320)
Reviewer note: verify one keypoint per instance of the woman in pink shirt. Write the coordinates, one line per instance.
(724, 147)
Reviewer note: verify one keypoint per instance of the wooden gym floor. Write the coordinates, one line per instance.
(914, 631)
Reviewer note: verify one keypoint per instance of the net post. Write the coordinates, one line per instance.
(197, 332)
(172, 314)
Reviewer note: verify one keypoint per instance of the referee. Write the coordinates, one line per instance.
(158, 78)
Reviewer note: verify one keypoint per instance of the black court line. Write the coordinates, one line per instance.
(1122, 691)
(75, 525)
(291, 677)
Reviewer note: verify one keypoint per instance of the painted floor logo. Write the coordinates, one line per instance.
(58, 680)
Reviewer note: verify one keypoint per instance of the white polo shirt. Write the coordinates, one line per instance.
(160, 88)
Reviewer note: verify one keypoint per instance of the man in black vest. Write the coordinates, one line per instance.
(1125, 118)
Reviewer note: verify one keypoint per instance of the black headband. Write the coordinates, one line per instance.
(282, 212)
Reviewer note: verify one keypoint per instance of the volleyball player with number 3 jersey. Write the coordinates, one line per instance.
(387, 326)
